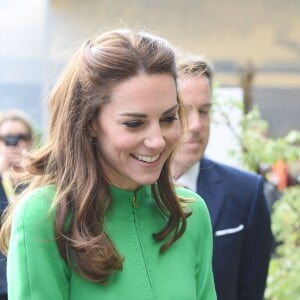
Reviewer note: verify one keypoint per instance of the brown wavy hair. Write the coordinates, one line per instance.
(70, 159)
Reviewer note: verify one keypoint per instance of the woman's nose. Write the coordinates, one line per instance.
(155, 140)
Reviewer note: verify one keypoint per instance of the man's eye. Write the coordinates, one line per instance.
(203, 112)
(133, 124)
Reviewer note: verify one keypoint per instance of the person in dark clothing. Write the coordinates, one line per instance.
(16, 135)
(235, 198)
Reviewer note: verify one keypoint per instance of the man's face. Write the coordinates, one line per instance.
(195, 94)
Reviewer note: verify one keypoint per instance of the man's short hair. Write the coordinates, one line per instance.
(191, 65)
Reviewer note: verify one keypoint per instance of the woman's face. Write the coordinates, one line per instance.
(138, 129)
(14, 138)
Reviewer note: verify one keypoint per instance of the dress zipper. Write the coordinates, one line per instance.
(134, 202)
(135, 205)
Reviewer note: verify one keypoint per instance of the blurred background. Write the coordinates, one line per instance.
(254, 45)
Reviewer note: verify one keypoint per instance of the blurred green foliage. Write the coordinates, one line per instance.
(284, 273)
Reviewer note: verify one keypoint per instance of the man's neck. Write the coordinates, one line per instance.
(178, 169)
(189, 178)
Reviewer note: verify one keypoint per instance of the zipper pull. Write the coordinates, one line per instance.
(134, 202)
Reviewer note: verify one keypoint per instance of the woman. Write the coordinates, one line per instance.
(16, 135)
(101, 219)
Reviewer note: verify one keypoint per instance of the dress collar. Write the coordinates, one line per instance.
(122, 200)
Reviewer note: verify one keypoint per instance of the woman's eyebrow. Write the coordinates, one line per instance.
(172, 109)
(141, 115)
(138, 115)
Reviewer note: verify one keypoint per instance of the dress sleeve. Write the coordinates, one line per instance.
(35, 268)
(204, 274)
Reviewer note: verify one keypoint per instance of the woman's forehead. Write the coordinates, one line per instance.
(8, 126)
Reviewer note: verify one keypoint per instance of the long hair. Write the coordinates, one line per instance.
(70, 159)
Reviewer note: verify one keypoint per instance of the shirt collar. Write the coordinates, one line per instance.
(189, 179)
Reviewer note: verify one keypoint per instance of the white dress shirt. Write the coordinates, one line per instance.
(189, 179)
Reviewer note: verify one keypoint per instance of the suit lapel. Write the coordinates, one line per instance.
(209, 186)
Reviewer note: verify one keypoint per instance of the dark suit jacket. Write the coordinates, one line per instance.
(241, 229)
(3, 205)
(3, 283)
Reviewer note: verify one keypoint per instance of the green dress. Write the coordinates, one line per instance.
(36, 271)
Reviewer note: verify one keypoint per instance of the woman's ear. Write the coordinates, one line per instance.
(93, 129)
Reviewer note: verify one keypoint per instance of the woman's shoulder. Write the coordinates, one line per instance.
(198, 220)
(33, 219)
(35, 204)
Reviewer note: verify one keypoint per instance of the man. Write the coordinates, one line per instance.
(235, 199)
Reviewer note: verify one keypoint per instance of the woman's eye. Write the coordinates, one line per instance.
(170, 119)
(132, 124)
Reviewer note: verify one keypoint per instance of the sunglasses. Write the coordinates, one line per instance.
(13, 140)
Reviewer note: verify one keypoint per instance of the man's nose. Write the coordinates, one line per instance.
(194, 121)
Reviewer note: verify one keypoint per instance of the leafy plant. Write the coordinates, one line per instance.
(284, 273)
(251, 132)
